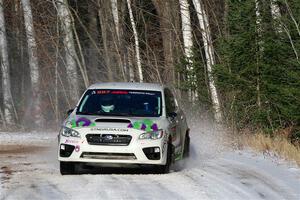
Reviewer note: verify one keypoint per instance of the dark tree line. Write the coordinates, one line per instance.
(238, 59)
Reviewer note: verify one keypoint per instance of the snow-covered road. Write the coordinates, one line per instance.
(29, 170)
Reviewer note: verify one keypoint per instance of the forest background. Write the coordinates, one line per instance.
(237, 60)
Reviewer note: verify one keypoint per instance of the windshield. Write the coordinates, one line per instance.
(135, 103)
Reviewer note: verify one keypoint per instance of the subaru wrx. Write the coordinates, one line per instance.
(124, 124)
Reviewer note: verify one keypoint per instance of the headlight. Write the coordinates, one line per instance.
(68, 132)
(154, 135)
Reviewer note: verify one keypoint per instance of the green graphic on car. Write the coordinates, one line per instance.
(81, 122)
(145, 125)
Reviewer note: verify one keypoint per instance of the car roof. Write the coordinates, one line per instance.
(128, 86)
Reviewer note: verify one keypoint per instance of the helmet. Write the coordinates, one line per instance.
(107, 108)
(107, 103)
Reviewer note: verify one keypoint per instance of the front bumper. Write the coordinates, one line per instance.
(138, 151)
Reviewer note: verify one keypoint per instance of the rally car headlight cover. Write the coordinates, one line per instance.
(68, 132)
(154, 135)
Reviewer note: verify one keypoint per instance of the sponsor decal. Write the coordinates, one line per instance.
(110, 129)
(112, 92)
(145, 125)
(103, 91)
(77, 148)
(119, 92)
(124, 92)
(143, 93)
(68, 141)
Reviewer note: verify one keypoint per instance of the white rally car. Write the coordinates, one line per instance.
(121, 124)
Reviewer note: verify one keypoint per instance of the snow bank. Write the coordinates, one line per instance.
(8, 138)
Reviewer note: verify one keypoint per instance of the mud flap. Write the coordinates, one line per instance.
(173, 155)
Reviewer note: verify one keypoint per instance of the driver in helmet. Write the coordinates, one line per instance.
(107, 104)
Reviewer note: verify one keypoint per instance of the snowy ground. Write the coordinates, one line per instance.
(29, 170)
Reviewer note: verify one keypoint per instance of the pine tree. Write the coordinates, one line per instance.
(259, 75)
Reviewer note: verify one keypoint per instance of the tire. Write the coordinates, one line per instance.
(67, 168)
(164, 169)
(186, 150)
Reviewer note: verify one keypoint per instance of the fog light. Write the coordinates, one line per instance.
(66, 150)
(152, 153)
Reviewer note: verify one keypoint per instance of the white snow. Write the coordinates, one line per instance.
(23, 138)
(214, 171)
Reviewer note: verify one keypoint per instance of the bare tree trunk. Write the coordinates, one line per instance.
(70, 51)
(210, 58)
(6, 86)
(186, 29)
(259, 43)
(291, 42)
(136, 39)
(117, 39)
(275, 10)
(2, 119)
(280, 27)
(130, 68)
(114, 8)
(33, 62)
(188, 44)
(103, 19)
(292, 17)
(81, 63)
(168, 19)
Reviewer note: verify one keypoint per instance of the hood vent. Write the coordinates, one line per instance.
(111, 120)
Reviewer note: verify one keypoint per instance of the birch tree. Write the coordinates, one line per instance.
(186, 28)
(114, 8)
(260, 48)
(33, 61)
(187, 42)
(275, 10)
(280, 26)
(136, 39)
(117, 38)
(209, 55)
(292, 16)
(6, 82)
(70, 51)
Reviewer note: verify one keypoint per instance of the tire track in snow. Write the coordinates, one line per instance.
(263, 183)
(218, 188)
(33, 186)
(207, 175)
(153, 188)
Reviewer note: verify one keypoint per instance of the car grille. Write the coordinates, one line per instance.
(109, 156)
(108, 139)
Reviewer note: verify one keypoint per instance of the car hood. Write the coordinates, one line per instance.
(140, 123)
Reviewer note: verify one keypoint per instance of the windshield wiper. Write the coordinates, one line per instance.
(130, 114)
(114, 114)
(86, 113)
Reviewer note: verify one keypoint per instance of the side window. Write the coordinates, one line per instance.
(170, 101)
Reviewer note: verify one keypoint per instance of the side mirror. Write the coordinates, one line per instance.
(172, 115)
(69, 111)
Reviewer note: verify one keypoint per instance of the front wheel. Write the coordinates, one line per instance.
(164, 169)
(186, 150)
